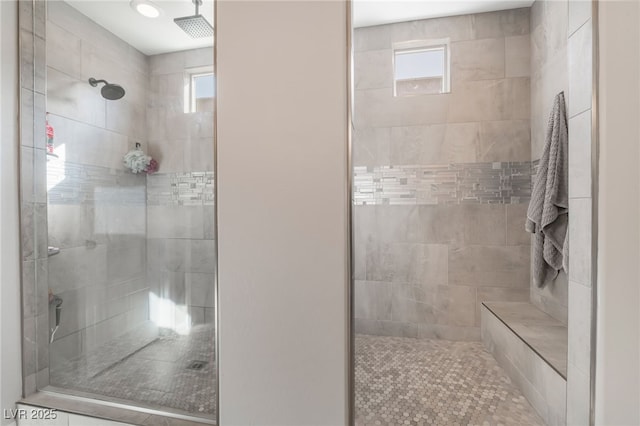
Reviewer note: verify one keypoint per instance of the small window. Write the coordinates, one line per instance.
(199, 91)
(421, 69)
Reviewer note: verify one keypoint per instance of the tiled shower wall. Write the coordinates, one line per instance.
(180, 205)
(549, 76)
(33, 197)
(580, 34)
(96, 209)
(442, 181)
(562, 42)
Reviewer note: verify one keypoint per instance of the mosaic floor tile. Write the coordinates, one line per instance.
(154, 375)
(404, 381)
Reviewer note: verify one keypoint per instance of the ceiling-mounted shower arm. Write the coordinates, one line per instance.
(94, 82)
(196, 26)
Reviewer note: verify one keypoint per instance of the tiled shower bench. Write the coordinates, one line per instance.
(531, 346)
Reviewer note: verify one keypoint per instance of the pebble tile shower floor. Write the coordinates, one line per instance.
(405, 381)
(157, 375)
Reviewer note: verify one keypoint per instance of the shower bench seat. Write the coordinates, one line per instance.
(531, 346)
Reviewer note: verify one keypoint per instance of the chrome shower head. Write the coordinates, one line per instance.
(197, 25)
(110, 91)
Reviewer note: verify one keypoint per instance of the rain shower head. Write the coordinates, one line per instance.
(196, 26)
(110, 91)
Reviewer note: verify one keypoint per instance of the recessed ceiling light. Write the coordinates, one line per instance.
(145, 8)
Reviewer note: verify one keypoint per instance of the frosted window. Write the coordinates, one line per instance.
(202, 92)
(421, 71)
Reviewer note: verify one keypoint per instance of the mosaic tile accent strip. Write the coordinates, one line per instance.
(404, 381)
(180, 189)
(70, 183)
(155, 374)
(468, 183)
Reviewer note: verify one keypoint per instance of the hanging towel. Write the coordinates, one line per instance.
(548, 213)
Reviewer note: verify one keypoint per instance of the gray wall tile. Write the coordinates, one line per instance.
(433, 175)
(487, 100)
(579, 13)
(412, 304)
(433, 144)
(493, 266)
(367, 326)
(32, 110)
(550, 75)
(63, 50)
(508, 140)
(484, 224)
(407, 263)
(516, 218)
(175, 222)
(578, 397)
(549, 65)
(201, 289)
(456, 28)
(580, 155)
(74, 99)
(553, 297)
(167, 63)
(32, 62)
(580, 240)
(482, 59)
(29, 351)
(374, 69)
(378, 108)
(580, 69)
(371, 146)
(374, 300)
(400, 329)
(518, 56)
(579, 327)
(455, 305)
(501, 24)
(372, 38)
(452, 332)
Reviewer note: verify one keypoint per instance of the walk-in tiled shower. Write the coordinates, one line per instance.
(118, 232)
(120, 271)
(450, 117)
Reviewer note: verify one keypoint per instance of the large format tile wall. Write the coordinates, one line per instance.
(581, 256)
(561, 44)
(33, 197)
(549, 76)
(180, 212)
(442, 181)
(96, 209)
(97, 212)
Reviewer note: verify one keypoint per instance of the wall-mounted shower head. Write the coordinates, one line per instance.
(196, 26)
(110, 91)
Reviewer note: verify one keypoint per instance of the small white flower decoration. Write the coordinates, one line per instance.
(136, 160)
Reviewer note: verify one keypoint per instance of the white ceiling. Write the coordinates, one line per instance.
(162, 35)
(377, 12)
(150, 36)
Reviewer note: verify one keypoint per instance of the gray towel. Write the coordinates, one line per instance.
(548, 213)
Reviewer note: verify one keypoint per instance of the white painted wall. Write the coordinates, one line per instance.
(618, 321)
(10, 374)
(282, 173)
